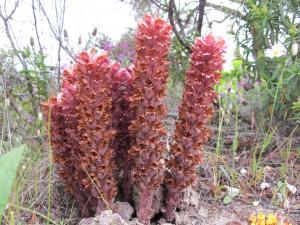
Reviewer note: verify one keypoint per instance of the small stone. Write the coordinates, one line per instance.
(124, 209)
(108, 218)
(191, 197)
(203, 212)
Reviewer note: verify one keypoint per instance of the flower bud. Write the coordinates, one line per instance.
(79, 40)
(66, 36)
(94, 33)
(31, 41)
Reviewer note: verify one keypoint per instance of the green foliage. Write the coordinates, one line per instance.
(37, 73)
(9, 163)
(178, 57)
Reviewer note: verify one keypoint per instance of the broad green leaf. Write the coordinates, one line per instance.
(8, 169)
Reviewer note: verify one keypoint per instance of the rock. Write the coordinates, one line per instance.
(163, 221)
(203, 212)
(191, 198)
(124, 209)
(108, 218)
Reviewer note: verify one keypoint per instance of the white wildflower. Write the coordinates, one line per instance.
(264, 185)
(256, 203)
(243, 171)
(276, 51)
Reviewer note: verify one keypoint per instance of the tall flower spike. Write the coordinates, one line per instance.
(64, 140)
(122, 88)
(94, 112)
(194, 113)
(147, 130)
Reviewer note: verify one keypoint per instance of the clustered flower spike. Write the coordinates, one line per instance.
(95, 131)
(149, 88)
(121, 90)
(65, 142)
(195, 112)
(106, 124)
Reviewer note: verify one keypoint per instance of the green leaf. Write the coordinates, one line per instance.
(9, 163)
(228, 199)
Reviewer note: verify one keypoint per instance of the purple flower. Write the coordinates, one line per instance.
(121, 57)
(123, 45)
(107, 46)
(222, 95)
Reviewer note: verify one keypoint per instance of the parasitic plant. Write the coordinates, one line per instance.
(148, 110)
(64, 140)
(81, 131)
(95, 131)
(195, 112)
(106, 124)
(121, 90)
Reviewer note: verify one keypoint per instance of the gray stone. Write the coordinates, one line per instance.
(124, 209)
(108, 218)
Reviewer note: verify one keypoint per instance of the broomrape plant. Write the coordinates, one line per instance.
(107, 127)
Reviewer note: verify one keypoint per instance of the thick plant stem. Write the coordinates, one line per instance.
(173, 200)
(144, 210)
(127, 183)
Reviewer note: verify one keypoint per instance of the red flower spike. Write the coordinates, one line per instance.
(81, 131)
(94, 112)
(149, 87)
(122, 88)
(64, 141)
(194, 113)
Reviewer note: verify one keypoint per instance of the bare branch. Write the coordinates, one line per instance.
(171, 19)
(56, 33)
(36, 28)
(13, 11)
(200, 15)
